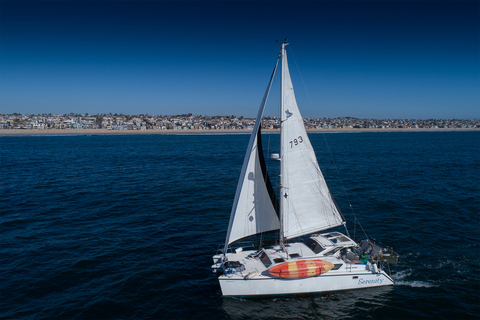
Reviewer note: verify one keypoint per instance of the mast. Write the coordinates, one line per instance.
(283, 194)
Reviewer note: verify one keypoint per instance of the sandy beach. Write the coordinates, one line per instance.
(153, 131)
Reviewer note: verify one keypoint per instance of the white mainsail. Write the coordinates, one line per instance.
(306, 203)
(255, 207)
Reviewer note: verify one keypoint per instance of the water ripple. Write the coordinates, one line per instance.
(124, 227)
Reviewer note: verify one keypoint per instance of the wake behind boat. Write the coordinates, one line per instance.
(303, 260)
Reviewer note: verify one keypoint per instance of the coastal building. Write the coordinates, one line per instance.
(192, 122)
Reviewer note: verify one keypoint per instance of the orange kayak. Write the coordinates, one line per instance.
(301, 269)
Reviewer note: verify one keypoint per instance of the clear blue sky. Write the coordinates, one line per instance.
(366, 59)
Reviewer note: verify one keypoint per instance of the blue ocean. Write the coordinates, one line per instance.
(124, 226)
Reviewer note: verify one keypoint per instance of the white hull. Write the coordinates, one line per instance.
(265, 286)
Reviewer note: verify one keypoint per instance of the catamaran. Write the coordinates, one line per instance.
(304, 258)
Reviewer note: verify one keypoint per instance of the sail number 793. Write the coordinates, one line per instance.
(296, 142)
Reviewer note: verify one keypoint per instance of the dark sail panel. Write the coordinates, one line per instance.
(268, 183)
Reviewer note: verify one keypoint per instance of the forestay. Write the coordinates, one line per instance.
(255, 208)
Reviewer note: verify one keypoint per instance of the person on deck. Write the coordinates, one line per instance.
(369, 248)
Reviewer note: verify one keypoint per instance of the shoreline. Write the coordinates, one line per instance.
(4, 132)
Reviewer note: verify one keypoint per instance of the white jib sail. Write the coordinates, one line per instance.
(253, 211)
(307, 205)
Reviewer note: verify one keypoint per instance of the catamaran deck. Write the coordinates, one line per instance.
(247, 272)
(327, 246)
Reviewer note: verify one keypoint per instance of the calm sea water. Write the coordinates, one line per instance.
(124, 227)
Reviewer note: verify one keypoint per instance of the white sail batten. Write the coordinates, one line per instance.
(306, 203)
(253, 210)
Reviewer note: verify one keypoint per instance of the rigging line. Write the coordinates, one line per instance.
(274, 112)
(336, 168)
(311, 103)
(298, 69)
(272, 106)
(343, 186)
